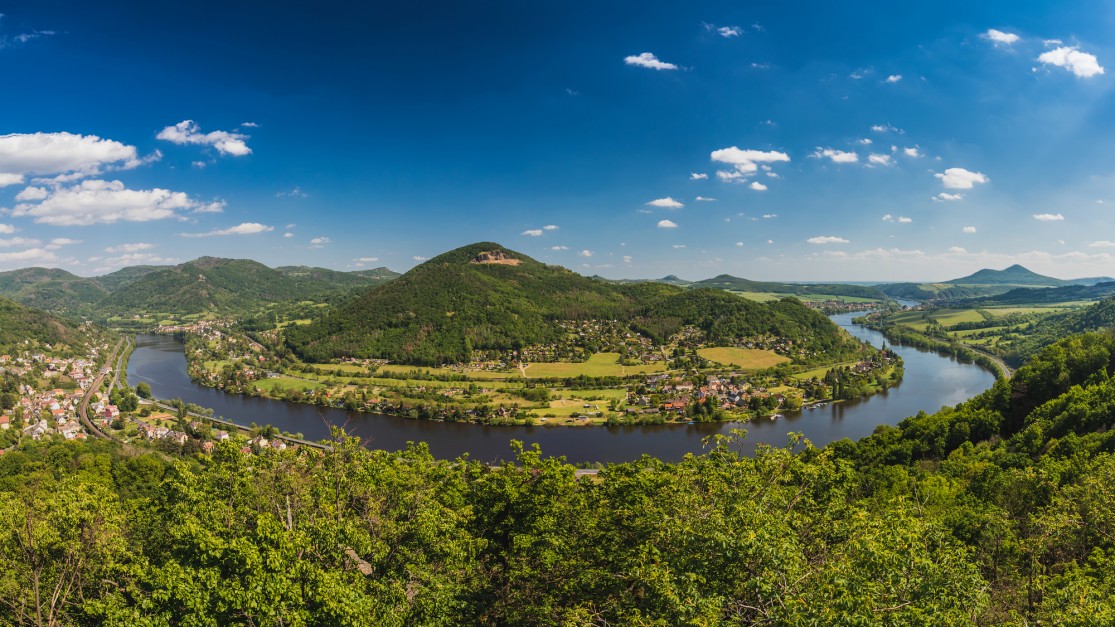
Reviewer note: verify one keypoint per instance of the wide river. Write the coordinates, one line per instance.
(931, 381)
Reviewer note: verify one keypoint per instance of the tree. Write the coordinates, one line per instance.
(143, 390)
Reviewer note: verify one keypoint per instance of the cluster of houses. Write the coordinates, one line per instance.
(44, 412)
(675, 395)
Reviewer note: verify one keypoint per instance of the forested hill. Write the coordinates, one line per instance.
(998, 511)
(229, 286)
(51, 289)
(485, 296)
(729, 282)
(1097, 317)
(22, 326)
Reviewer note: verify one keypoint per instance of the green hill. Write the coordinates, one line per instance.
(1014, 276)
(19, 323)
(485, 296)
(229, 286)
(51, 289)
(126, 276)
(1097, 317)
(729, 282)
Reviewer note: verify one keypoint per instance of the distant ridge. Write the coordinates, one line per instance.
(1015, 275)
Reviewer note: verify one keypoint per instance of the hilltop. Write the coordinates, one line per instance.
(983, 283)
(51, 289)
(484, 296)
(1015, 275)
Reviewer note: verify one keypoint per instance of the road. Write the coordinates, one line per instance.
(83, 409)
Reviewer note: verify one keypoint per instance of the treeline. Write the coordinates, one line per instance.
(998, 511)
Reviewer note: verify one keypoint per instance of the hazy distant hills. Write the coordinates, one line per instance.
(485, 296)
(984, 283)
(204, 284)
(737, 284)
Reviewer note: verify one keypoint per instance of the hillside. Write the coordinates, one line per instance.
(19, 323)
(229, 286)
(51, 289)
(1097, 317)
(729, 282)
(126, 276)
(484, 296)
(1015, 275)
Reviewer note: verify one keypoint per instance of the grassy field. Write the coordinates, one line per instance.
(1006, 311)
(599, 365)
(287, 382)
(746, 358)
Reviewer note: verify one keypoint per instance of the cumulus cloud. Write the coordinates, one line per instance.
(911, 152)
(1048, 217)
(666, 203)
(876, 159)
(837, 156)
(1102, 244)
(288, 235)
(532, 232)
(585, 253)
(129, 248)
(318, 242)
(1081, 64)
(959, 178)
(1000, 37)
(885, 128)
(59, 242)
(739, 244)
(946, 197)
(744, 162)
(12, 242)
(904, 220)
(61, 153)
(294, 192)
(550, 227)
(697, 176)
(33, 256)
(704, 199)
(827, 239)
(245, 228)
(757, 186)
(968, 229)
(10, 178)
(894, 78)
(650, 61)
(729, 31)
(559, 248)
(107, 202)
(679, 245)
(418, 258)
(189, 132)
(6, 229)
(32, 193)
(366, 259)
(667, 224)
(769, 216)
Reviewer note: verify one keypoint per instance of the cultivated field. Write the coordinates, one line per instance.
(745, 358)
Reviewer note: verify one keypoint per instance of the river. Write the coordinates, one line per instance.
(931, 381)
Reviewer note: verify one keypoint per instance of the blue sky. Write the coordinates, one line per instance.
(789, 140)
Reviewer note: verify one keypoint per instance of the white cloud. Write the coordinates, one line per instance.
(129, 248)
(666, 203)
(559, 248)
(18, 241)
(320, 241)
(911, 152)
(418, 258)
(679, 245)
(667, 224)
(366, 259)
(945, 197)
(585, 253)
(189, 132)
(550, 227)
(107, 202)
(827, 239)
(1082, 64)
(969, 229)
(648, 60)
(894, 78)
(703, 199)
(745, 162)
(7, 229)
(10, 178)
(888, 218)
(288, 235)
(62, 153)
(769, 216)
(1051, 42)
(757, 186)
(246, 228)
(837, 156)
(1102, 244)
(295, 192)
(957, 250)
(1048, 217)
(864, 142)
(739, 244)
(249, 125)
(532, 232)
(199, 164)
(130, 259)
(32, 193)
(40, 256)
(697, 176)
(59, 242)
(904, 220)
(959, 178)
(886, 128)
(729, 31)
(627, 259)
(999, 37)
(879, 159)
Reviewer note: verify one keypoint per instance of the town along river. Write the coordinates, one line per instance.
(931, 382)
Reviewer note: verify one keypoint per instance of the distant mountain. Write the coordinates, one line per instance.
(729, 282)
(51, 289)
(671, 279)
(1039, 295)
(126, 276)
(485, 296)
(230, 286)
(1015, 275)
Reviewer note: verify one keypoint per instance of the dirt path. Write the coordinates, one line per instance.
(523, 369)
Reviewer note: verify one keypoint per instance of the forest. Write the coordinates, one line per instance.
(999, 510)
